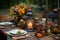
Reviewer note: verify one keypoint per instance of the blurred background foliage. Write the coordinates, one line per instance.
(37, 5)
(41, 3)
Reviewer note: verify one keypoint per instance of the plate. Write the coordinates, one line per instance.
(6, 23)
(15, 32)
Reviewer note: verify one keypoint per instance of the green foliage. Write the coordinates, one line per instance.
(11, 11)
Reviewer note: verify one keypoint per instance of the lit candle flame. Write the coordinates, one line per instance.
(29, 25)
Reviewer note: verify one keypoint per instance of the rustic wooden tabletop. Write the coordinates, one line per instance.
(32, 34)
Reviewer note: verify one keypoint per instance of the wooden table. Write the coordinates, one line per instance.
(5, 29)
(32, 34)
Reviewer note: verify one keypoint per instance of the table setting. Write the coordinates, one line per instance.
(23, 26)
(15, 34)
(18, 33)
(34, 30)
(6, 23)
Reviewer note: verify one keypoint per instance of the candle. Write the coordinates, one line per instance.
(30, 25)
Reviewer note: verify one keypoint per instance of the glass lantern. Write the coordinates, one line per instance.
(30, 24)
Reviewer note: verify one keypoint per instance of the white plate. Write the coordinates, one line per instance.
(6, 23)
(16, 30)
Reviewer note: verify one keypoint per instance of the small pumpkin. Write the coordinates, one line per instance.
(39, 35)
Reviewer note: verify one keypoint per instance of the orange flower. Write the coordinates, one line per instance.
(21, 11)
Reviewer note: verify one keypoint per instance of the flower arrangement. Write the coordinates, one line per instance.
(20, 8)
(19, 11)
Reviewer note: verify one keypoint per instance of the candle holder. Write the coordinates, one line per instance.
(30, 24)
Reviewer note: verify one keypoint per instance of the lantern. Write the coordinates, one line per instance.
(29, 24)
